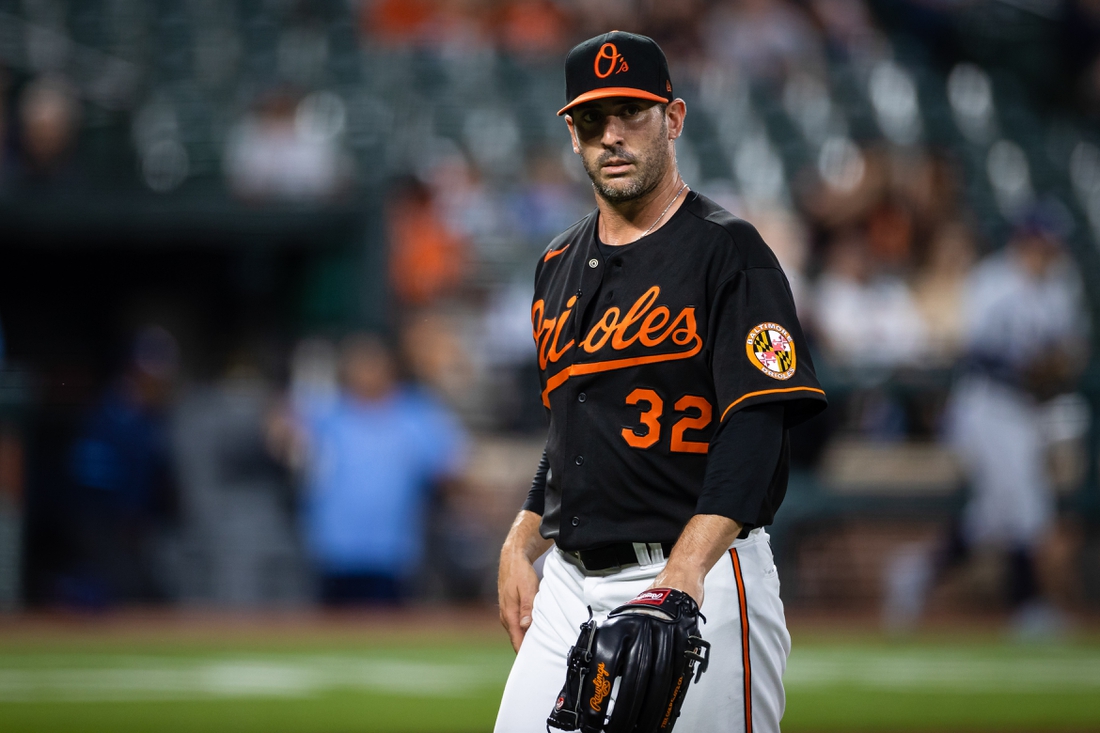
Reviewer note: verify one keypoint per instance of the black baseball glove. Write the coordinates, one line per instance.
(651, 648)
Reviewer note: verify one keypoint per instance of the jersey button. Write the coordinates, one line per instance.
(579, 460)
(593, 263)
(576, 521)
(582, 397)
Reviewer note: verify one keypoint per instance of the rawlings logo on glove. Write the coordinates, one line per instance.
(652, 648)
(603, 687)
(654, 597)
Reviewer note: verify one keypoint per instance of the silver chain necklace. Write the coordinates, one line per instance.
(662, 216)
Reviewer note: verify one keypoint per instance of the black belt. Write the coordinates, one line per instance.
(619, 555)
(610, 556)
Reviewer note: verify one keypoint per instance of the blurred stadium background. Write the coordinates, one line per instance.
(218, 217)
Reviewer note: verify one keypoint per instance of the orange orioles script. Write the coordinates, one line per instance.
(644, 322)
(603, 687)
(617, 63)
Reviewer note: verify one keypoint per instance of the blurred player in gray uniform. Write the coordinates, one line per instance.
(1026, 337)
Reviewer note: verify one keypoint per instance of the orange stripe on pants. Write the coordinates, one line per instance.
(745, 661)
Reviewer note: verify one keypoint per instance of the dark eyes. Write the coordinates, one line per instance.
(592, 117)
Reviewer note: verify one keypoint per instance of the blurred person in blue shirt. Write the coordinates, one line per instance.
(374, 452)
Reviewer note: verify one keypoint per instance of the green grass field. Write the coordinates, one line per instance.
(281, 681)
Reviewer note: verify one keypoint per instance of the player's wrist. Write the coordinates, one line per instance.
(688, 566)
(524, 551)
(689, 580)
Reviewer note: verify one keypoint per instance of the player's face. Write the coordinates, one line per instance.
(624, 144)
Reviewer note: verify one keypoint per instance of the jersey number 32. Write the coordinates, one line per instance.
(697, 415)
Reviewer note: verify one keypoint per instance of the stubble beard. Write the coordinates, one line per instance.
(651, 165)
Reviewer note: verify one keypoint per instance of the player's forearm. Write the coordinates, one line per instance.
(524, 538)
(704, 540)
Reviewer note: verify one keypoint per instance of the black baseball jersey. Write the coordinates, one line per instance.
(642, 354)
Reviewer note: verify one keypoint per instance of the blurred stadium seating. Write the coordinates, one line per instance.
(235, 167)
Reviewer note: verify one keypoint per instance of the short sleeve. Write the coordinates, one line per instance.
(758, 351)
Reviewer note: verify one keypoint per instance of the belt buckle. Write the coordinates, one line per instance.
(575, 558)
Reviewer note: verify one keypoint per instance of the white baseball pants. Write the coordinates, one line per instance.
(741, 691)
(997, 432)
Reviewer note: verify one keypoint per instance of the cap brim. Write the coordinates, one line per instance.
(611, 92)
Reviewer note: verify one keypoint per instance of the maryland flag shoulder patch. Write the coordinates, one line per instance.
(771, 350)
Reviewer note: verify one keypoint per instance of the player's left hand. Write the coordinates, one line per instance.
(650, 650)
(686, 581)
(705, 539)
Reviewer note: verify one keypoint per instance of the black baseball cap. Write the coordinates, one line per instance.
(616, 64)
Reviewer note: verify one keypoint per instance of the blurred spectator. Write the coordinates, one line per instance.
(676, 28)
(239, 543)
(785, 233)
(427, 259)
(599, 16)
(289, 149)
(443, 23)
(510, 362)
(468, 208)
(548, 203)
(890, 236)
(397, 22)
(533, 27)
(764, 39)
(49, 118)
(373, 457)
(847, 26)
(866, 318)
(940, 288)
(434, 346)
(843, 198)
(123, 488)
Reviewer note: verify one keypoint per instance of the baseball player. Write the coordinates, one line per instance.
(672, 366)
(1027, 335)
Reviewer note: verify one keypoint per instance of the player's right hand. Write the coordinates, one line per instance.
(517, 584)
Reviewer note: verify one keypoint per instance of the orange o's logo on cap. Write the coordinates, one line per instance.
(615, 62)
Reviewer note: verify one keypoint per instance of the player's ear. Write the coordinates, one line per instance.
(573, 134)
(675, 114)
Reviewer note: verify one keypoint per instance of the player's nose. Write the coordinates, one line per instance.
(612, 131)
